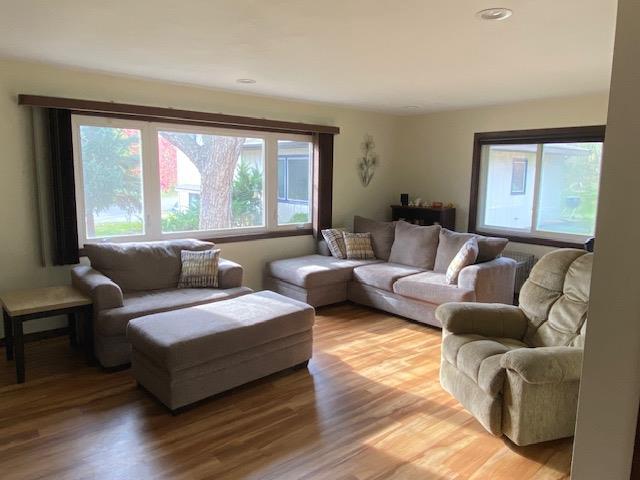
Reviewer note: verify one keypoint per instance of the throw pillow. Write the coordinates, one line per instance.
(382, 234)
(466, 256)
(199, 269)
(335, 242)
(415, 245)
(358, 246)
(451, 242)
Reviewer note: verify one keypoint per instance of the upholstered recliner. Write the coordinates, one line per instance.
(517, 369)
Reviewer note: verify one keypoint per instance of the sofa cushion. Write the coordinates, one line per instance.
(142, 266)
(313, 271)
(383, 275)
(193, 336)
(479, 358)
(415, 245)
(382, 235)
(432, 287)
(450, 244)
(114, 322)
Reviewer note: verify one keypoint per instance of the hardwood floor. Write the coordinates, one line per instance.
(369, 407)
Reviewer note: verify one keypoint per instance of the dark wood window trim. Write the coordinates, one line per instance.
(592, 133)
(66, 240)
(172, 115)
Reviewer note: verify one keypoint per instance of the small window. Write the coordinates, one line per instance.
(294, 182)
(519, 176)
(537, 186)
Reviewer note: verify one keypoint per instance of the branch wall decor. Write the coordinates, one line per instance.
(369, 160)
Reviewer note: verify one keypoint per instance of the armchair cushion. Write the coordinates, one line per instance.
(479, 358)
(486, 319)
(432, 287)
(545, 364)
(102, 290)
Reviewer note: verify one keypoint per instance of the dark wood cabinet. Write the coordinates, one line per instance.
(425, 215)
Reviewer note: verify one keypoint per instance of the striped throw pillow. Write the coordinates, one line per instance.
(466, 256)
(335, 242)
(199, 269)
(358, 246)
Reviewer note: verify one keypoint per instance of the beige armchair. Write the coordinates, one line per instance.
(517, 369)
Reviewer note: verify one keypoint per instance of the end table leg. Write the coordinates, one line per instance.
(19, 349)
(87, 340)
(72, 320)
(8, 335)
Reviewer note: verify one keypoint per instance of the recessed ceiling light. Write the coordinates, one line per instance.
(494, 13)
(411, 107)
(245, 80)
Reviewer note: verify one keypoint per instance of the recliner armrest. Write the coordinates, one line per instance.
(104, 292)
(487, 319)
(545, 364)
(492, 281)
(229, 274)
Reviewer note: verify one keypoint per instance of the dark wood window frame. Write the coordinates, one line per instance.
(592, 133)
(66, 246)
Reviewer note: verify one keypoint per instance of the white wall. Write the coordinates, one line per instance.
(610, 387)
(20, 257)
(435, 150)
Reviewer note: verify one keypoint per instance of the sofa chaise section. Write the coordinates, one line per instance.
(314, 279)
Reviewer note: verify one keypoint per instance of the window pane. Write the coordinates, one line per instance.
(210, 182)
(112, 181)
(294, 170)
(569, 187)
(508, 186)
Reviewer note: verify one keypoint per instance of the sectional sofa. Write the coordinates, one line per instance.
(407, 277)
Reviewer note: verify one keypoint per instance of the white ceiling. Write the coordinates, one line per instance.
(378, 54)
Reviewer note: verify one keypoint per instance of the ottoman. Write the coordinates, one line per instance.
(186, 355)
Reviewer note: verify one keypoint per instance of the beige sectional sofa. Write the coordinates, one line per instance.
(131, 280)
(413, 288)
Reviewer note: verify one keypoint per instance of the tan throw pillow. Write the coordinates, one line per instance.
(466, 256)
(199, 269)
(415, 245)
(358, 246)
(335, 242)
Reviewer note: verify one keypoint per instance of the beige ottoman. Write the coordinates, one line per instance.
(189, 354)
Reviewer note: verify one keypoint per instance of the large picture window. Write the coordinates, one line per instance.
(537, 186)
(138, 180)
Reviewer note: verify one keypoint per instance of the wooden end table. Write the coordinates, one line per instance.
(20, 306)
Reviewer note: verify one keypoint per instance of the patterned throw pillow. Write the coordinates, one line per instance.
(358, 246)
(199, 269)
(335, 241)
(466, 256)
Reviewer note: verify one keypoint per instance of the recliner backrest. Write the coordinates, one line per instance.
(555, 298)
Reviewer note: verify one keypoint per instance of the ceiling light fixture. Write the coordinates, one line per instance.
(246, 81)
(494, 13)
(411, 107)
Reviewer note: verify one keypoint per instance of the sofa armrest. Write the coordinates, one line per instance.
(104, 292)
(229, 274)
(492, 281)
(486, 319)
(545, 364)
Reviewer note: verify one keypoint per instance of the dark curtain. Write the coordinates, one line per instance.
(323, 183)
(65, 230)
